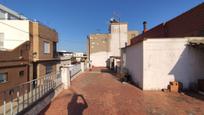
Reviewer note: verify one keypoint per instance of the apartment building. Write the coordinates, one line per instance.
(27, 48)
(103, 46)
(171, 51)
(8, 14)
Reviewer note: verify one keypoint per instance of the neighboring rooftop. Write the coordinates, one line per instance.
(188, 24)
(9, 14)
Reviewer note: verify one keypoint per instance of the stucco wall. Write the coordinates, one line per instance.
(134, 63)
(99, 59)
(119, 36)
(170, 59)
(15, 32)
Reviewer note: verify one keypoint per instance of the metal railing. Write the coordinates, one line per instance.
(74, 69)
(15, 100)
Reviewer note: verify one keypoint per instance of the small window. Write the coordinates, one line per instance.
(48, 69)
(1, 40)
(3, 77)
(2, 14)
(46, 47)
(21, 73)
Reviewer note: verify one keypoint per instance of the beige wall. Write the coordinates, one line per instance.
(119, 36)
(15, 32)
(132, 34)
(99, 49)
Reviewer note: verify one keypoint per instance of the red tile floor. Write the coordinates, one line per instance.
(99, 93)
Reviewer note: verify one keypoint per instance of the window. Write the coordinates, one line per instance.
(21, 73)
(48, 69)
(1, 40)
(2, 14)
(46, 47)
(3, 77)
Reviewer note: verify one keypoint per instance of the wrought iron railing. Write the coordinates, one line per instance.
(17, 99)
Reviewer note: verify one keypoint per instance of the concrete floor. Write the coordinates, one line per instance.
(99, 93)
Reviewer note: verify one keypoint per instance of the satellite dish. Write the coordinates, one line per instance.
(112, 19)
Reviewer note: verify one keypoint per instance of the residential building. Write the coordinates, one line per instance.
(103, 46)
(14, 66)
(8, 14)
(27, 46)
(79, 56)
(65, 59)
(167, 52)
(44, 43)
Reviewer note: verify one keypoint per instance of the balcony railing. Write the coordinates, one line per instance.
(74, 69)
(17, 99)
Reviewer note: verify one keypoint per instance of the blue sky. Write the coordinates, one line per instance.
(75, 19)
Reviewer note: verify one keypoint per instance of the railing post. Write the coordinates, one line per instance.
(11, 101)
(31, 90)
(65, 74)
(18, 96)
(82, 67)
(23, 96)
(4, 103)
(27, 94)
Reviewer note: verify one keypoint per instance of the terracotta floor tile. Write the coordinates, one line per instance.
(99, 93)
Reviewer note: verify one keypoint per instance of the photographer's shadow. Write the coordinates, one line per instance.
(77, 105)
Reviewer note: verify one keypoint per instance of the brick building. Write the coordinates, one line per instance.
(163, 53)
(27, 49)
(103, 46)
(188, 24)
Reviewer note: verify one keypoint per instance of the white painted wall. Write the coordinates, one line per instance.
(170, 59)
(134, 63)
(15, 32)
(99, 59)
(119, 37)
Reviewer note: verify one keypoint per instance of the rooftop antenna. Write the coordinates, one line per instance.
(116, 17)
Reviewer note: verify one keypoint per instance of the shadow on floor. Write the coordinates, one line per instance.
(106, 70)
(77, 105)
(195, 95)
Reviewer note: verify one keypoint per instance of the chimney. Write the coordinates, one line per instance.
(144, 26)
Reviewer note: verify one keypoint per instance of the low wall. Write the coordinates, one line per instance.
(169, 59)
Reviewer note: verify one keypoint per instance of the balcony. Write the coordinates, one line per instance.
(95, 92)
(35, 94)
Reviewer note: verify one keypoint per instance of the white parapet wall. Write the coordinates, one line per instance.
(133, 62)
(169, 59)
(66, 77)
(99, 59)
(153, 63)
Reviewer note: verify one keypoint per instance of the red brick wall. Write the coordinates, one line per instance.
(188, 24)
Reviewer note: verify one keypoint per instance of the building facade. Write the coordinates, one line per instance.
(103, 46)
(8, 14)
(164, 53)
(27, 48)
